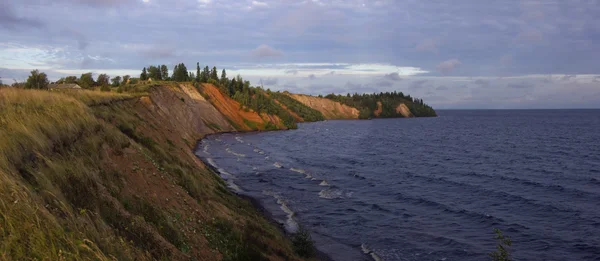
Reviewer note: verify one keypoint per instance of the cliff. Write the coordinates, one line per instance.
(330, 109)
(88, 175)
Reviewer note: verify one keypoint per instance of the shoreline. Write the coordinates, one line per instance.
(319, 255)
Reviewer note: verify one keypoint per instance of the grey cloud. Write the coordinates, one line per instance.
(521, 85)
(270, 81)
(384, 84)
(441, 88)
(158, 51)
(103, 3)
(417, 84)
(11, 21)
(428, 45)
(448, 65)
(290, 85)
(264, 51)
(82, 42)
(482, 83)
(393, 76)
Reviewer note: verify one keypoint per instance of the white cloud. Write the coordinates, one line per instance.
(259, 4)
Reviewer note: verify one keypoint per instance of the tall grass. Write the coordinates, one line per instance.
(62, 198)
(42, 176)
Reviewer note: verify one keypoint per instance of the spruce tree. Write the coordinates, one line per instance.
(144, 75)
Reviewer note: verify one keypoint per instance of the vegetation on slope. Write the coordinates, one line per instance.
(307, 113)
(103, 182)
(368, 104)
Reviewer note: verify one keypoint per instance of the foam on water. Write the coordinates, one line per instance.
(205, 149)
(365, 249)
(298, 170)
(290, 224)
(234, 153)
(331, 193)
(301, 171)
(277, 165)
(228, 177)
(239, 139)
(324, 183)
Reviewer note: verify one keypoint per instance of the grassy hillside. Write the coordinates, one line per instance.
(96, 176)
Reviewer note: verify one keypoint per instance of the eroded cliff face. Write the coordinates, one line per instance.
(404, 110)
(330, 109)
(242, 120)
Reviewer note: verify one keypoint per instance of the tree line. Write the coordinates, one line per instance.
(367, 104)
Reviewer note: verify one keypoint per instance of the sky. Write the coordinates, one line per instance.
(459, 54)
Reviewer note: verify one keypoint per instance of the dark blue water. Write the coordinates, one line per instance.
(429, 188)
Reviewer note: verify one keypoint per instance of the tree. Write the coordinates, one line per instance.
(103, 80)
(37, 80)
(86, 81)
(180, 73)
(70, 79)
(205, 74)
(144, 75)
(116, 81)
(223, 78)
(197, 72)
(502, 252)
(164, 72)
(154, 73)
(125, 79)
(213, 74)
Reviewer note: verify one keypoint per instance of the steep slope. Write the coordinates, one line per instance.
(404, 111)
(86, 175)
(330, 109)
(241, 119)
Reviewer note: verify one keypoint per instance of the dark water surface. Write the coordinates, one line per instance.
(429, 188)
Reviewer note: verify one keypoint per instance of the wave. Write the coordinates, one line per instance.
(278, 165)
(234, 153)
(324, 183)
(259, 151)
(331, 193)
(205, 149)
(228, 177)
(239, 139)
(365, 249)
(290, 224)
(298, 170)
(301, 171)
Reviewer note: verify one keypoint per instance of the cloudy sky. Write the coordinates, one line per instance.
(453, 54)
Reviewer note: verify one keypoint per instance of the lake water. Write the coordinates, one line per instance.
(428, 188)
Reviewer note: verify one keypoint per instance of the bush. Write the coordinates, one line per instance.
(105, 88)
(303, 244)
(502, 252)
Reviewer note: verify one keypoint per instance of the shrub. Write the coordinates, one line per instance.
(303, 244)
(502, 252)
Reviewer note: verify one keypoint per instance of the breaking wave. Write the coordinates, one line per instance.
(290, 224)
(365, 249)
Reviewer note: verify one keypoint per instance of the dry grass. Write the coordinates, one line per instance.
(63, 194)
(39, 172)
(92, 98)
